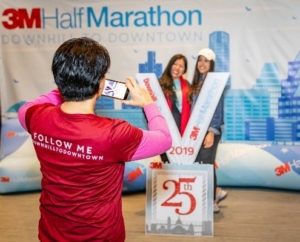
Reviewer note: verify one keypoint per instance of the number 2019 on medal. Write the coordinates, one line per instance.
(181, 150)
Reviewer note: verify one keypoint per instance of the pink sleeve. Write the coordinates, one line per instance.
(53, 97)
(158, 139)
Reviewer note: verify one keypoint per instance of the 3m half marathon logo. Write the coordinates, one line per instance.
(91, 17)
(287, 166)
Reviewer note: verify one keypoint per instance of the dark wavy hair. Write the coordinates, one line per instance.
(198, 78)
(78, 66)
(166, 80)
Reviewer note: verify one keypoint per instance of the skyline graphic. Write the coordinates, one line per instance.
(180, 228)
(269, 111)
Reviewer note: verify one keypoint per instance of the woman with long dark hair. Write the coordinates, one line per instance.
(176, 90)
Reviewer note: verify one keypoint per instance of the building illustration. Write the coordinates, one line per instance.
(178, 228)
(269, 111)
(219, 43)
(151, 66)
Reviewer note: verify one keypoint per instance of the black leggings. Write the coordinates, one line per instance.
(208, 156)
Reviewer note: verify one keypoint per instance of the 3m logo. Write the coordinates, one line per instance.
(194, 133)
(10, 134)
(156, 165)
(287, 167)
(280, 170)
(134, 174)
(20, 18)
(4, 179)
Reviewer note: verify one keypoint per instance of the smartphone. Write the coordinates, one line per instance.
(115, 89)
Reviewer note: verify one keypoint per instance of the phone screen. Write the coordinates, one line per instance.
(115, 89)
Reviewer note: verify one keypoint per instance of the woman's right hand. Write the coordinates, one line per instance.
(139, 95)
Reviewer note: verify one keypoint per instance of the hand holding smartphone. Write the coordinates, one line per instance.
(139, 96)
(120, 90)
(115, 89)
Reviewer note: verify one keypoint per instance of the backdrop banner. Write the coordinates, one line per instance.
(257, 42)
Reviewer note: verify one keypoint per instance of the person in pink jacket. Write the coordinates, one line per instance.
(82, 156)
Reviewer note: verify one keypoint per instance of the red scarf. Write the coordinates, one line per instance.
(186, 106)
